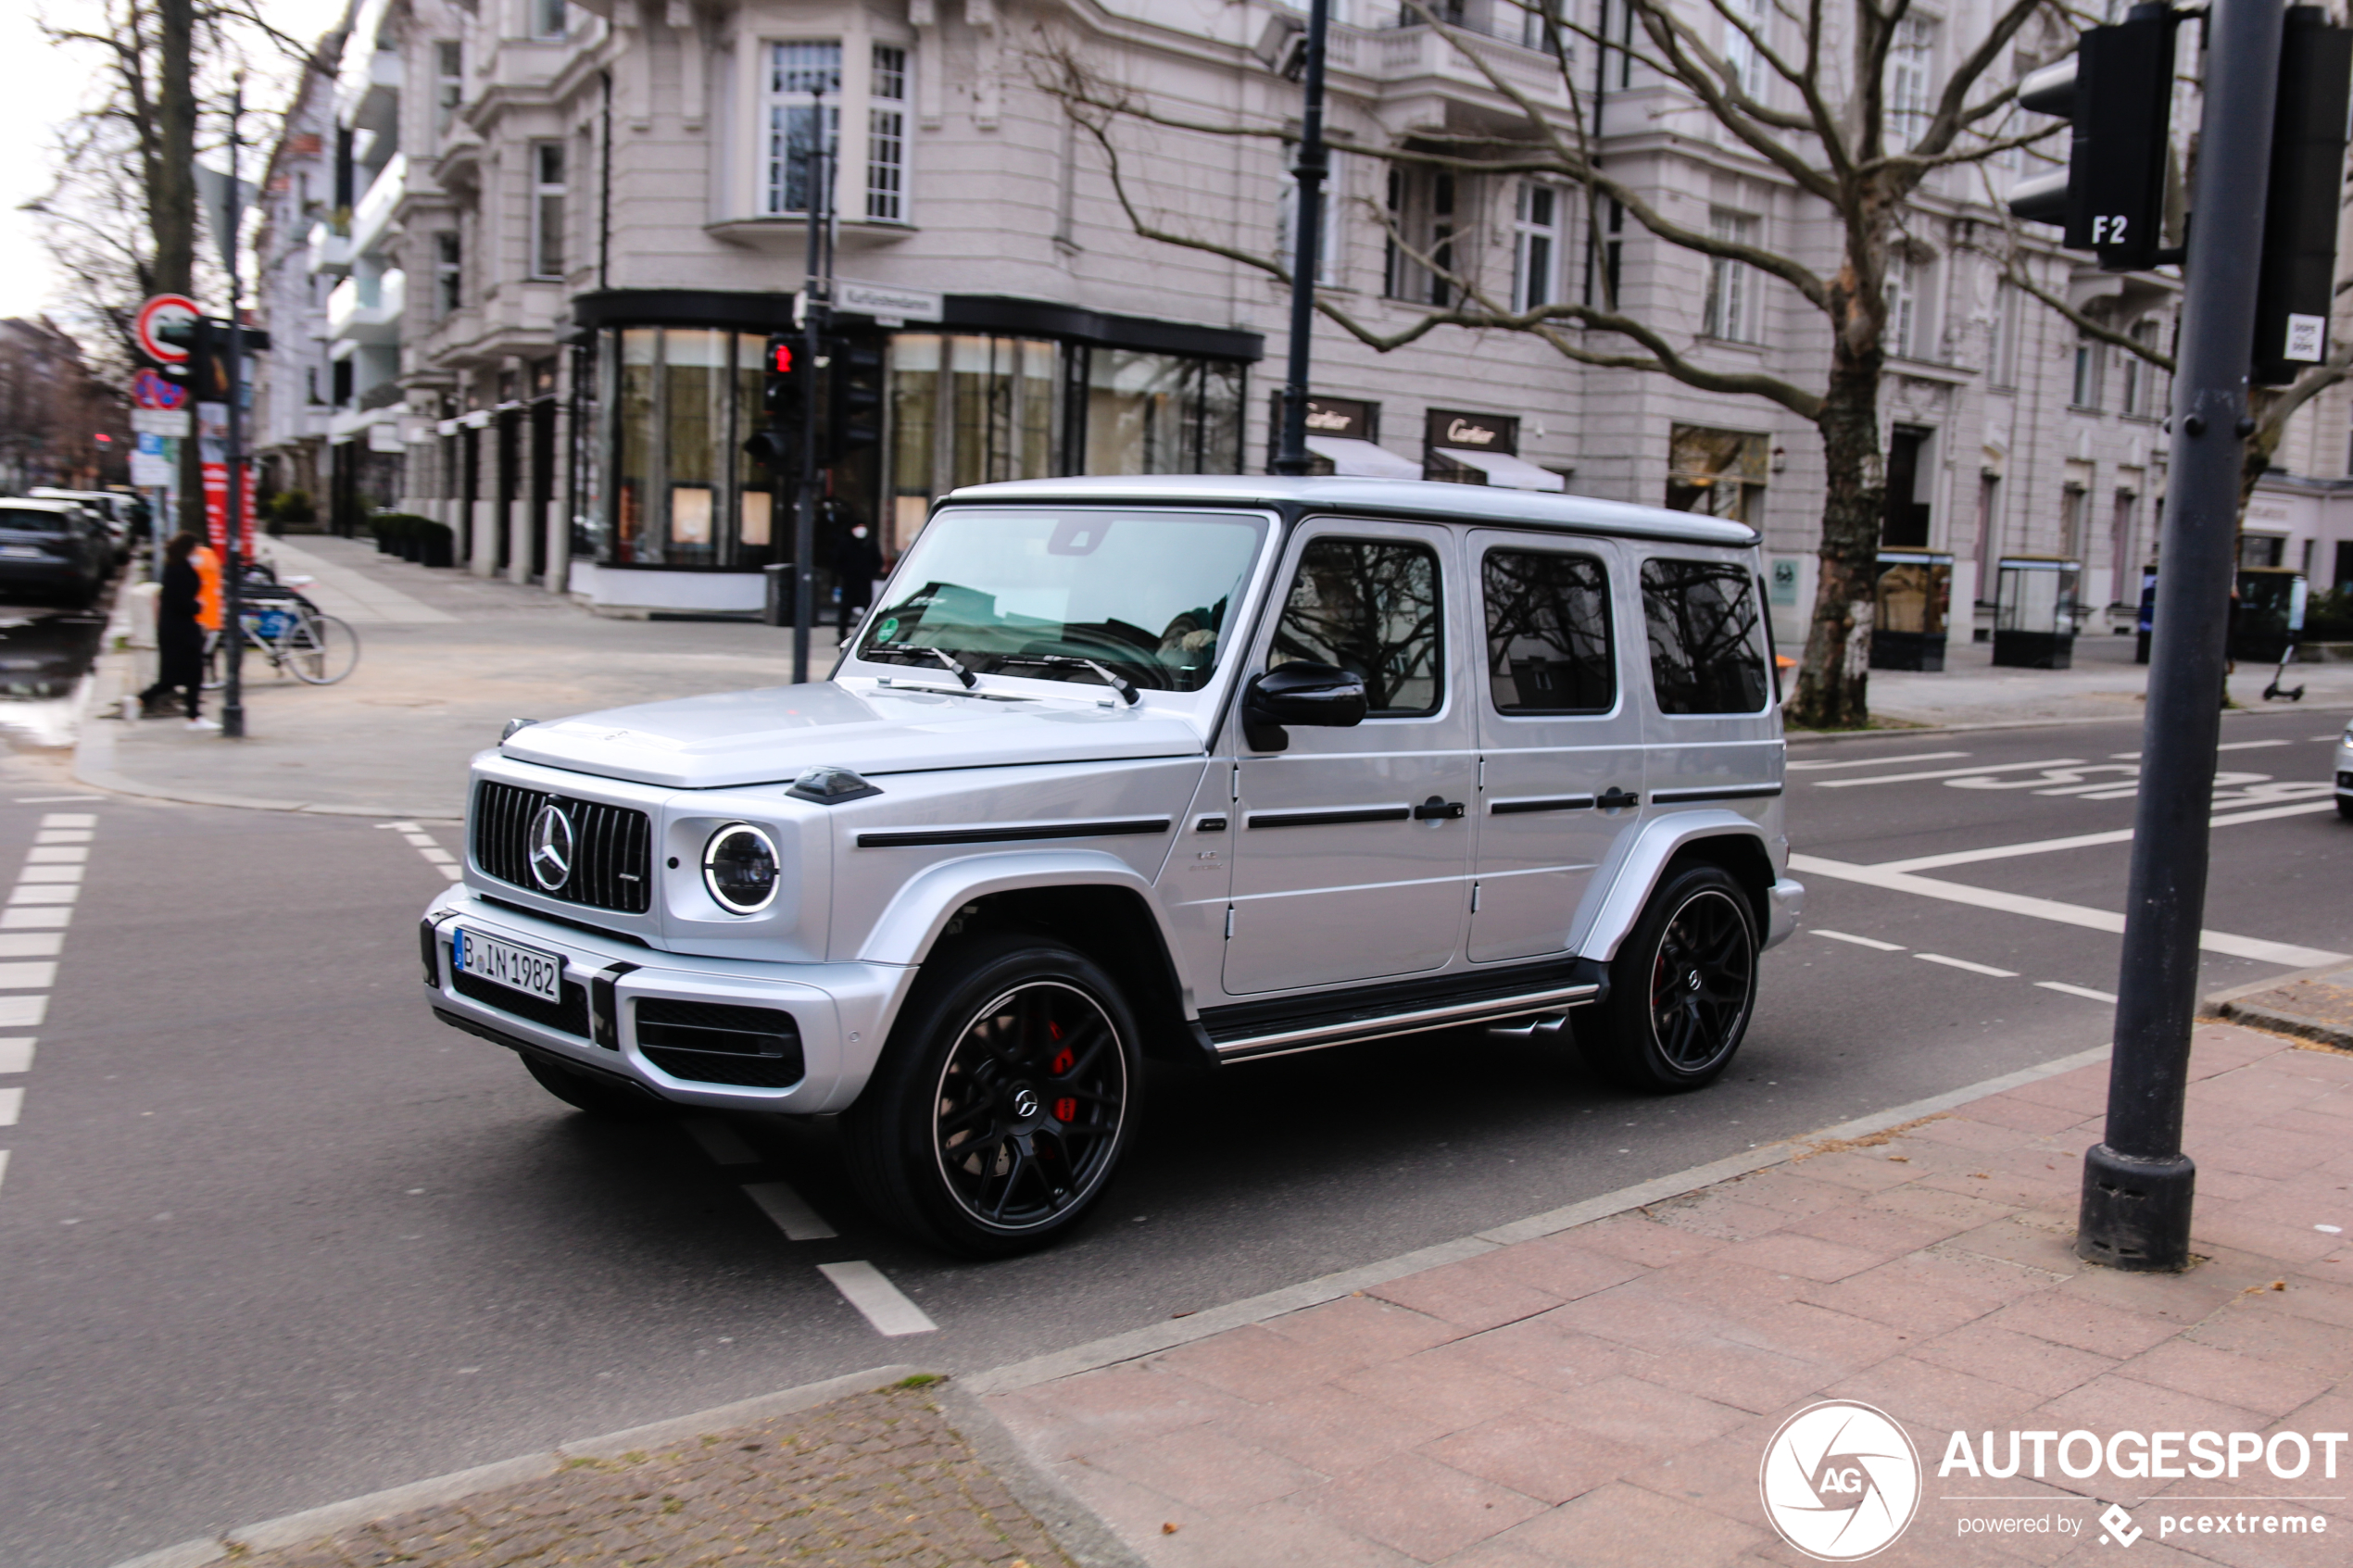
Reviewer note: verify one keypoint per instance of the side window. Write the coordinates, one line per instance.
(1370, 607)
(1548, 645)
(1706, 652)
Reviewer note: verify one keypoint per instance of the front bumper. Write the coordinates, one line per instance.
(1788, 901)
(842, 1010)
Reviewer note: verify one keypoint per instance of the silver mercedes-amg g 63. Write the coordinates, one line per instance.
(1200, 768)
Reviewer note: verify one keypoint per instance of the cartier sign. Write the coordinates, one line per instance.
(1473, 433)
(1347, 417)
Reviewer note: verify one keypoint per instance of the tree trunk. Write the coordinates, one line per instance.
(1833, 677)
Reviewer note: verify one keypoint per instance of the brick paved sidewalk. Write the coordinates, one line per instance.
(1606, 1394)
(880, 1478)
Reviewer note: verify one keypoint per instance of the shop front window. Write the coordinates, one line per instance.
(1720, 473)
(635, 470)
(694, 374)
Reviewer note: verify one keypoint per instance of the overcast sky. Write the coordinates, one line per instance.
(42, 85)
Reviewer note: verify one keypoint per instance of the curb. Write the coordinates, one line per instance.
(2233, 1005)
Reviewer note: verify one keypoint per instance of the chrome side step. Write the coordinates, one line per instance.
(1485, 1009)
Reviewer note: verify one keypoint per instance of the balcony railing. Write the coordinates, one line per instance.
(374, 211)
(330, 250)
(365, 308)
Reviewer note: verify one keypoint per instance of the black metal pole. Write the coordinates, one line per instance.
(1291, 456)
(233, 634)
(813, 309)
(2137, 1183)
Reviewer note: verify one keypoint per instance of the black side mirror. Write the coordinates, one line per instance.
(1315, 695)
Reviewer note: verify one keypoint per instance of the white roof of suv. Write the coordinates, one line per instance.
(1396, 498)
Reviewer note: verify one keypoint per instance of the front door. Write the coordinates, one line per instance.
(1560, 737)
(1351, 848)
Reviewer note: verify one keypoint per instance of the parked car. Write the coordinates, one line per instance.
(112, 509)
(1204, 769)
(2344, 773)
(55, 547)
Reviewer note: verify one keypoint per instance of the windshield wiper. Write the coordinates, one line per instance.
(962, 674)
(1127, 693)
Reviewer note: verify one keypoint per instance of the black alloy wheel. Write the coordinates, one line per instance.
(1682, 986)
(1003, 1102)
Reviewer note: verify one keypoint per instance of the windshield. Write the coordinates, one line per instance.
(1147, 594)
(25, 519)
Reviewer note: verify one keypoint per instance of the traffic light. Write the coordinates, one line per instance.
(205, 370)
(2117, 91)
(853, 397)
(784, 378)
(2296, 275)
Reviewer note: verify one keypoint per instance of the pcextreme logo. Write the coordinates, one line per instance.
(1840, 1481)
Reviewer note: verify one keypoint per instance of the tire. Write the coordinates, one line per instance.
(1020, 1053)
(586, 1091)
(1682, 987)
(2345, 807)
(322, 650)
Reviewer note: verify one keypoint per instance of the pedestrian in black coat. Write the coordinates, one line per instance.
(179, 637)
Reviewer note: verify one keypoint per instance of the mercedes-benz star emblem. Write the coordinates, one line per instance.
(551, 843)
(1025, 1103)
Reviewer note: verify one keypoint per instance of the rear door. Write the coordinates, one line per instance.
(1560, 735)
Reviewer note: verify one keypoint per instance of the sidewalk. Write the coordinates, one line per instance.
(1559, 1392)
(2104, 684)
(446, 659)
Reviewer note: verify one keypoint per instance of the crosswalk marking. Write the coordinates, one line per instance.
(863, 1287)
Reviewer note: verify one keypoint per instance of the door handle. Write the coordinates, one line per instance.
(1436, 809)
(1616, 800)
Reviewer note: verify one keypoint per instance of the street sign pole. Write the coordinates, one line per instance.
(2137, 1183)
(233, 626)
(1307, 211)
(813, 326)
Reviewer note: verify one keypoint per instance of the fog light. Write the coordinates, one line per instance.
(739, 866)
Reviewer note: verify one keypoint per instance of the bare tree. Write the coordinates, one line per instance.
(1804, 85)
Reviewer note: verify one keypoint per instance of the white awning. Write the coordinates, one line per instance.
(1351, 459)
(1508, 472)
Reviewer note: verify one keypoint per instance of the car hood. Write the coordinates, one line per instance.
(731, 738)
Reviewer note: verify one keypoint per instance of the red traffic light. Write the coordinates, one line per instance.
(779, 357)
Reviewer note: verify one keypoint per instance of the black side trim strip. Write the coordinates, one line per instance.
(1714, 792)
(1558, 803)
(1011, 835)
(1249, 1019)
(1321, 819)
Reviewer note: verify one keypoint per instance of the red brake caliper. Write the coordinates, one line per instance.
(1066, 1108)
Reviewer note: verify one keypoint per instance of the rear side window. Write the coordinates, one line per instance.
(14, 520)
(1706, 654)
(1371, 608)
(1548, 645)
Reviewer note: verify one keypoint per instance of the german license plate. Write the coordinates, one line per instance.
(501, 962)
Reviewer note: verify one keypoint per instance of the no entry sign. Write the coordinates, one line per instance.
(163, 309)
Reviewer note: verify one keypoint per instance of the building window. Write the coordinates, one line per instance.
(1614, 255)
(1732, 285)
(1903, 307)
(2089, 368)
(804, 81)
(449, 272)
(1328, 248)
(1910, 63)
(2120, 544)
(2140, 375)
(1748, 65)
(1535, 247)
(449, 83)
(2073, 502)
(1720, 473)
(547, 209)
(548, 19)
(2001, 347)
(886, 137)
(1421, 218)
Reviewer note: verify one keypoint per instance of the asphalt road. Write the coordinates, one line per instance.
(271, 1237)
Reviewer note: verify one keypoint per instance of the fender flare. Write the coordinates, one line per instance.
(910, 926)
(1633, 872)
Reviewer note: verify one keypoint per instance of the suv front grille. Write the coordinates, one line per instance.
(716, 1043)
(612, 852)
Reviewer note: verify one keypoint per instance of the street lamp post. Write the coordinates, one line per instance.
(233, 694)
(816, 293)
(1291, 455)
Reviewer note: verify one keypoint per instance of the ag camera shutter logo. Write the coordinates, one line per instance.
(1840, 1481)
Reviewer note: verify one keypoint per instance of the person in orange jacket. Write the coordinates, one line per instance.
(207, 565)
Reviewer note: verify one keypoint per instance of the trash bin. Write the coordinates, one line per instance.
(2035, 611)
(776, 608)
(1914, 597)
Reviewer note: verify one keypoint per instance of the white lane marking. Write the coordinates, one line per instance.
(439, 857)
(4, 1164)
(1810, 766)
(1950, 772)
(790, 1211)
(49, 874)
(16, 1055)
(31, 945)
(46, 893)
(23, 1012)
(27, 977)
(1858, 941)
(2084, 840)
(721, 1142)
(11, 1105)
(434, 855)
(2054, 775)
(1964, 963)
(2287, 954)
(2084, 991)
(64, 836)
(52, 799)
(68, 819)
(56, 854)
(863, 1287)
(19, 920)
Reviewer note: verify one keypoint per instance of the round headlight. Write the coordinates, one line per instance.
(739, 866)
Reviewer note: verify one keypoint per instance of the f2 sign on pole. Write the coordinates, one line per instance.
(2138, 1184)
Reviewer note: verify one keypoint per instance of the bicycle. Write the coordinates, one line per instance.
(296, 636)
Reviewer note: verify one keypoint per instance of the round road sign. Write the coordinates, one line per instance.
(149, 390)
(159, 310)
